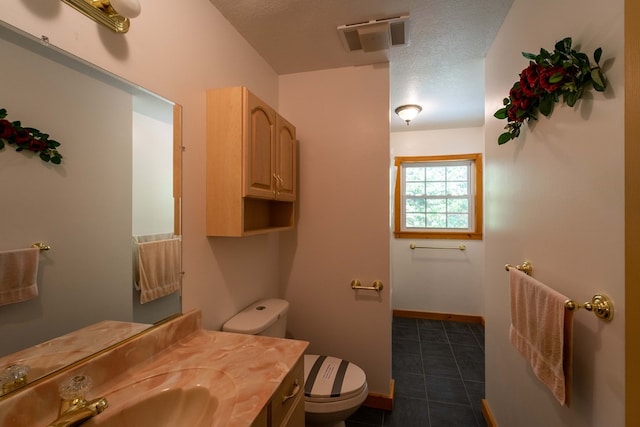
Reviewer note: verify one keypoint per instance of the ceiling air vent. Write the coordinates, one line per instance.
(378, 34)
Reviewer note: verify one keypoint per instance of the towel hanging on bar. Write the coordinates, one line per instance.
(542, 331)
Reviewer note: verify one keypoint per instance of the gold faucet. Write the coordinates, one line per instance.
(74, 409)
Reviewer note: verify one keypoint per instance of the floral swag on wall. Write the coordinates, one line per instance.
(563, 74)
(28, 139)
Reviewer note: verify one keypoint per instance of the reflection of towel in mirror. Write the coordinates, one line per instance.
(18, 275)
(145, 239)
(159, 268)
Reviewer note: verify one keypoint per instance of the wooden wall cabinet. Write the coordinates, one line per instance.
(251, 165)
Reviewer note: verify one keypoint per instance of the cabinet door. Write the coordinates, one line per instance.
(289, 398)
(285, 160)
(260, 149)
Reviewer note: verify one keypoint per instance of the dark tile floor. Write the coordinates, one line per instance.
(438, 367)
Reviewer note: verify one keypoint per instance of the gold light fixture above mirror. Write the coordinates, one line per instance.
(114, 14)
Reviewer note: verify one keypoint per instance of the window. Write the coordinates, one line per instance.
(439, 197)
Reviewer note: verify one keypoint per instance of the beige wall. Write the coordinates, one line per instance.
(432, 280)
(555, 196)
(343, 227)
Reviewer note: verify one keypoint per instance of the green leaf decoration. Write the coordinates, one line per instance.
(597, 80)
(504, 138)
(556, 78)
(563, 45)
(571, 98)
(550, 77)
(500, 114)
(581, 58)
(546, 105)
(597, 54)
(544, 54)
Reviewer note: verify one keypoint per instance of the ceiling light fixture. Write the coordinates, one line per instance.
(114, 14)
(408, 112)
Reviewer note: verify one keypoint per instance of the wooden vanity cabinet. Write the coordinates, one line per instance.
(251, 165)
(286, 407)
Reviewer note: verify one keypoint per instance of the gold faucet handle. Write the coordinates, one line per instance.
(75, 387)
(73, 392)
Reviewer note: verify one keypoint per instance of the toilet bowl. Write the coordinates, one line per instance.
(334, 388)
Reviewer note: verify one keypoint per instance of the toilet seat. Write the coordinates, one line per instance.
(330, 379)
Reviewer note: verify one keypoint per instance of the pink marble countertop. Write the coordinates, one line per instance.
(242, 371)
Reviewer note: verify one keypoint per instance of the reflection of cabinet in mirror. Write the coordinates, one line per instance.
(251, 165)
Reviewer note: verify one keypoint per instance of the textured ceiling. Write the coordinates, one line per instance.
(442, 67)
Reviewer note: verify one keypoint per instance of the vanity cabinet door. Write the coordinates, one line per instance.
(296, 414)
(260, 153)
(287, 404)
(262, 420)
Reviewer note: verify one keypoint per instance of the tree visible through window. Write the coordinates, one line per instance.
(439, 197)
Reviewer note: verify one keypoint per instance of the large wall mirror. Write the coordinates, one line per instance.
(119, 179)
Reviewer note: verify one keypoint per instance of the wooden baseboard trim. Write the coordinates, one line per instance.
(380, 401)
(439, 316)
(488, 416)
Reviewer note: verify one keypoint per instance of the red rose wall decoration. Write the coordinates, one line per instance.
(551, 76)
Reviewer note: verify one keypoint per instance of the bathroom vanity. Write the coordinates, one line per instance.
(180, 374)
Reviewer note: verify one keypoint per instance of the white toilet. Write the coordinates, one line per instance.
(334, 388)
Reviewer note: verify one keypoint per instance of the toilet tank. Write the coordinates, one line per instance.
(265, 317)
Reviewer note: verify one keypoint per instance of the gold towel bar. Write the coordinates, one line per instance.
(525, 267)
(42, 246)
(377, 286)
(601, 305)
(459, 247)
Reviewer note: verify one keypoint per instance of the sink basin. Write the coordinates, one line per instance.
(173, 407)
(188, 397)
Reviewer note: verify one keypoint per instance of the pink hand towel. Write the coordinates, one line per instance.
(542, 331)
(18, 275)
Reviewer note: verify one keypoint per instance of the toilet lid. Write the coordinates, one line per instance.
(327, 377)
